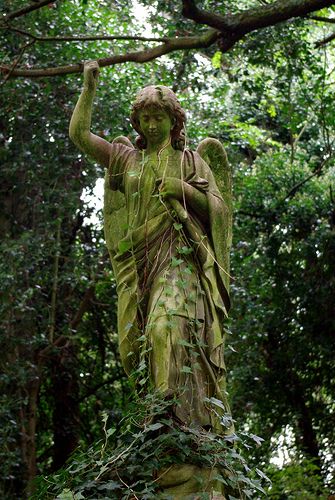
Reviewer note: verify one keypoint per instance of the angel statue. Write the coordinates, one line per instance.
(168, 232)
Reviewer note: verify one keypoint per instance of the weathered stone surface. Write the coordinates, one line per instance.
(188, 481)
(168, 231)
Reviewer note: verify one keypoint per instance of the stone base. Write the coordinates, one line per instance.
(187, 482)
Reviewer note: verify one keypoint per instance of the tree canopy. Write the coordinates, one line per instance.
(225, 29)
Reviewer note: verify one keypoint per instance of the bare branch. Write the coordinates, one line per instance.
(79, 38)
(256, 18)
(296, 188)
(84, 306)
(142, 56)
(16, 62)
(63, 341)
(324, 41)
(323, 19)
(54, 289)
(93, 390)
(331, 195)
(191, 11)
(27, 9)
(291, 193)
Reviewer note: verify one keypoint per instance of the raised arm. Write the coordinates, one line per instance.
(80, 124)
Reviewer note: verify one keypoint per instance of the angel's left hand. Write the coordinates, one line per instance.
(170, 187)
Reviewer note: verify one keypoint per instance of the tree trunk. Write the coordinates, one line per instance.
(66, 419)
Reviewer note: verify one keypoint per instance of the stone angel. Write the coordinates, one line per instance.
(168, 227)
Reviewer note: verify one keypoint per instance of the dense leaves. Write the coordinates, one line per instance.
(132, 460)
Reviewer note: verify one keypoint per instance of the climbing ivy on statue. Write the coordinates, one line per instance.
(133, 457)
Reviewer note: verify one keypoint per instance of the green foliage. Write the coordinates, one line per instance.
(130, 461)
(284, 257)
(296, 480)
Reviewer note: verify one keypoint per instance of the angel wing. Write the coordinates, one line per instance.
(115, 214)
(214, 154)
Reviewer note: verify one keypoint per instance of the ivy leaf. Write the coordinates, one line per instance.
(78, 496)
(185, 343)
(181, 283)
(124, 246)
(258, 440)
(231, 348)
(185, 250)
(188, 270)
(216, 59)
(217, 402)
(110, 486)
(226, 420)
(186, 369)
(232, 438)
(262, 475)
(65, 495)
(154, 427)
(176, 262)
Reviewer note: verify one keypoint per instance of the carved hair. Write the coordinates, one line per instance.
(164, 99)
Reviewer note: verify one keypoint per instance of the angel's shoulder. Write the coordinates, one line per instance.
(121, 148)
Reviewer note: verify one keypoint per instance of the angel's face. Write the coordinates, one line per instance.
(156, 125)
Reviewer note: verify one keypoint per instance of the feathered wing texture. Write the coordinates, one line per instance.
(213, 153)
(115, 213)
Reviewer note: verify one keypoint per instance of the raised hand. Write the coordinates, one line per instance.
(80, 125)
(91, 74)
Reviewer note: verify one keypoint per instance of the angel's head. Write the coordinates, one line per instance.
(161, 101)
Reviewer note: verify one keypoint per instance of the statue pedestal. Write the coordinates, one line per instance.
(187, 482)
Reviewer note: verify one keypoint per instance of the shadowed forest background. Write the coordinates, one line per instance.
(270, 101)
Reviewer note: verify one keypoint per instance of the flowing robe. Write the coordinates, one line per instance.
(171, 283)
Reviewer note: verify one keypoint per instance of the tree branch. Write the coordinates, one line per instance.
(322, 19)
(191, 11)
(93, 390)
(142, 56)
(324, 41)
(228, 30)
(16, 62)
(297, 186)
(84, 306)
(54, 290)
(27, 9)
(252, 19)
(62, 340)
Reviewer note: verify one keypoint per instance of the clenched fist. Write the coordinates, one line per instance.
(170, 187)
(91, 73)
